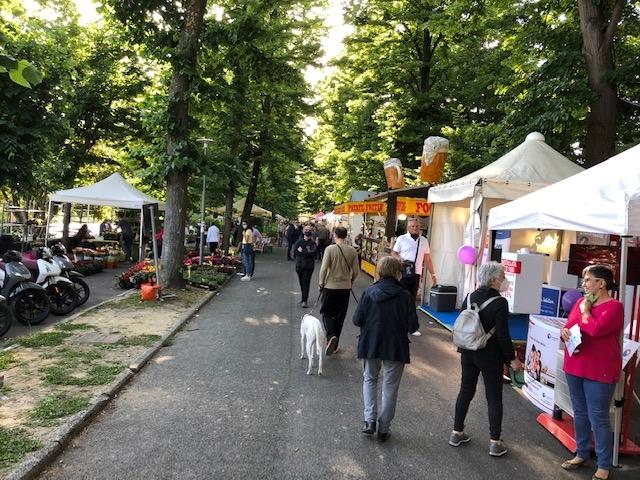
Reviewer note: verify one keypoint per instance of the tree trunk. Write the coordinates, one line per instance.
(597, 37)
(228, 217)
(66, 220)
(177, 142)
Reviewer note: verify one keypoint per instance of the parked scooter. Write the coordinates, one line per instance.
(60, 257)
(28, 301)
(6, 317)
(61, 292)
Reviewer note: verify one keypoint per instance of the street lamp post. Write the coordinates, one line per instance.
(205, 142)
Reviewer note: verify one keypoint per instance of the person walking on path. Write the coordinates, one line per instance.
(323, 240)
(247, 251)
(593, 371)
(290, 234)
(488, 360)
(127, 237)
(412, 249)
(338, 271)
(213, 238)
(304, 251)
(386, 314)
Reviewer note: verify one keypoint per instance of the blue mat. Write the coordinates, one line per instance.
(518, 323)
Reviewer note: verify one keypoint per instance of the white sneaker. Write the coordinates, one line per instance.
(246, 278)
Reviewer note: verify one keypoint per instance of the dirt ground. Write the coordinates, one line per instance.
(95, 348)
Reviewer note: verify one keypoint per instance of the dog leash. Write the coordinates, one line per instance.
(316, 303)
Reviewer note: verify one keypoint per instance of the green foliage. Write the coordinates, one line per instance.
(15, 443)
(64, 374)
(72, 327)
(38, 340)
(140, 340)
(206, 276)
(7, 359)
(55, 406)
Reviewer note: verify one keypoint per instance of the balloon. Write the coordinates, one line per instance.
(467, 254)
(570, 298)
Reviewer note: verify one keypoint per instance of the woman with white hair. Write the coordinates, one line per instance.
(488, 360)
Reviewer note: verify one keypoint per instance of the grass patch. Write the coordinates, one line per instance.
(47, 339)
(56, 406)
(72, 327)
(15, 443)
(168, 341)
(144, 340)
(98, 375)
(107, 346)
(6, 360)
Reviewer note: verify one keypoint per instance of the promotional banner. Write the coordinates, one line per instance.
(360, 207)
(543, 341)
(412, 206)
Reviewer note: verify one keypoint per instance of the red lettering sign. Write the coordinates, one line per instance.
(512, 266)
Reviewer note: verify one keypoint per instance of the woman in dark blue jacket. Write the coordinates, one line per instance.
(386, 314)
(304, 251)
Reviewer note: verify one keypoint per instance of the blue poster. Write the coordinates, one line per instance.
(550, 301)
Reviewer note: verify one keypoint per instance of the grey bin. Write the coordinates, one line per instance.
(442, 298)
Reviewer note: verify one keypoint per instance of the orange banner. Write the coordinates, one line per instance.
(360, 207)
(413, 206)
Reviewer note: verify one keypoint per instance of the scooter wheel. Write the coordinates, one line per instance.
(82, 289)
(30, 307)
(63, 298)
(6, 318)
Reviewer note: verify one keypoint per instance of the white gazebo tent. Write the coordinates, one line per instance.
(113, 191)
(238, 207)
(603, 199)
(460, 207)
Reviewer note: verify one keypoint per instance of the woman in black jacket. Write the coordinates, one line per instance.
(489, 360)
(304, 251)
(386, 314)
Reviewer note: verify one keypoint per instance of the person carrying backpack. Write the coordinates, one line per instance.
(488, 360)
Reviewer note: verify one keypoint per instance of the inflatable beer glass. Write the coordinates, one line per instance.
(393, 173)
(434, 156)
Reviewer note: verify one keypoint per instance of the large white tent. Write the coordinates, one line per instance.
(602, 199)
(113, 191)
(238, 207)
(460, 207)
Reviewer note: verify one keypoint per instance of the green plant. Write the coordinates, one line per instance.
(98, 375)
(71, 327)
(55, 406)
(6, 360)
(168, 341)
(15, 443)
(48, 339)
(140, 340)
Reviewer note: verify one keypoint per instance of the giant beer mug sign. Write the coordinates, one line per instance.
(434, 156)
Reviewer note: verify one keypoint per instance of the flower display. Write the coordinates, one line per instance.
(141, 272)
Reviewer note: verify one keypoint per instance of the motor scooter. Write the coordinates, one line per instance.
(28, 301)
(60, 258)
(48, 275)
(6, 317)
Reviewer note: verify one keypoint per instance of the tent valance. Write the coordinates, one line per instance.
(113, 191)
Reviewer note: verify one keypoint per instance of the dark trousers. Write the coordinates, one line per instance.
(411, 283)
(213, 246)
(127, 243)
(290, 243)
(474, 363)
(304, 275)
(335, 304)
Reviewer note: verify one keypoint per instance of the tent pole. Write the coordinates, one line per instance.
(619, 392)
(154, 242)
(201, 233)
(46, 231)
(141, 233)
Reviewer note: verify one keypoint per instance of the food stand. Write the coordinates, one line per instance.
(382, 226)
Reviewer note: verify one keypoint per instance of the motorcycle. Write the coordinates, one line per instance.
(28, 301)
(62, 294)
(6, 317)
(60, 258)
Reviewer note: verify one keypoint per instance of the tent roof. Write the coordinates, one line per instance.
(528, 167)
(602, 199)
(113, 191)
(238, 207)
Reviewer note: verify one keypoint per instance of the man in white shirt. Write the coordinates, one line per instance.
(414, 248)
(213, 238)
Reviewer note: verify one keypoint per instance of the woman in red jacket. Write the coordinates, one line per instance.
(594, 368)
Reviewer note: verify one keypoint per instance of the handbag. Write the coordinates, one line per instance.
(408, 267)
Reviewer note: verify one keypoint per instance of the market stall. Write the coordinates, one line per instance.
(113, 191)
(604, 199)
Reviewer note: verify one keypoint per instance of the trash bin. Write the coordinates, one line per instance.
(442, 298)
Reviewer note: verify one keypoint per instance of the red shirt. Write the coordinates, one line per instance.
(600, 356)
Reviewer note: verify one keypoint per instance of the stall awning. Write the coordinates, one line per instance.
(413, 206)
(360, 207)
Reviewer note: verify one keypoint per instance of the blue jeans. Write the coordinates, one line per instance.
(247, 259)
(591, 401)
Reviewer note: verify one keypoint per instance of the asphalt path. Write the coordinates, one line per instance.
(230, 400)
(102, 286)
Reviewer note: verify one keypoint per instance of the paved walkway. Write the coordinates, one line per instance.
(230, 400)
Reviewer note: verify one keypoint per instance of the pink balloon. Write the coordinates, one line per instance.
(467, 254)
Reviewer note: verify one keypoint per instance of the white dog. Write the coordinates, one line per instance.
(312, 335)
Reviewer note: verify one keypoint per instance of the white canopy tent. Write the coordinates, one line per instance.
(602, 199)
(238, 207)
(460, 207)
(113, 191)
